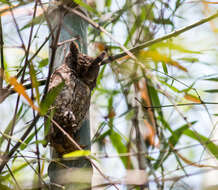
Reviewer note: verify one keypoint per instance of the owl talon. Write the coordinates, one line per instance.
(69, 115)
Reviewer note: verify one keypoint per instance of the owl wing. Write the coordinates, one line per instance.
(61, 74)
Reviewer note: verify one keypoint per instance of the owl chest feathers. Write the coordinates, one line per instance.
(72, 103)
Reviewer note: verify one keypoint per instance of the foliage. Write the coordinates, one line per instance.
(147, 101)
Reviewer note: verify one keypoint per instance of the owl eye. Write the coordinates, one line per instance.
(74, 48)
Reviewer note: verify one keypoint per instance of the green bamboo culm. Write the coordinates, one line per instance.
(72, 26)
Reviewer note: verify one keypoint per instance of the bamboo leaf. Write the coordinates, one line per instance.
(206, 142)
(156, 56)
(212, 91)
(43, 63)
(29, 139)
(19, 88)
(9, 126)
(37, 20)
(77, 153)
(50, 98)
(34, 81)
(174, 138)
(108, 3)
(116, 140)
(163, 21)
(170, 86)
(15, 170)
(192, 98)
(86, 6)
(4, 187)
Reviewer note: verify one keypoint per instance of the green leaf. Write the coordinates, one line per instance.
(134, 28)
(108, 3)
(164, 67)
(212, 91)
(9, 126)
(100, 75)
(212, 79)
(47, 128)
(116, 140)
(130, 114)
(178, 133)
(163, 21)
(50, 98)
(4, 187)
(43, 63)
(173, 140)
(86, 6)
(189, 59)
(211, 147)
(37, 20)
(170, 86)
(101, 137)
(31, 136)
(77, 153)
(34, 81)
(176, 47)
(16, 169)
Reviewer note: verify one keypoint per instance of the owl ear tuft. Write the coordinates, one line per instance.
(99, 59)
(74, 48)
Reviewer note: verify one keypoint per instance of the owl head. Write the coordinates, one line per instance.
(84, 67)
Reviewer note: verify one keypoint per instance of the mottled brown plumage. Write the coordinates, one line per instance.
(79, 73)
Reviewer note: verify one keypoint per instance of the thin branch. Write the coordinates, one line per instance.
(67, 41)
(32, 94)
(97, 26)
(6, 157)
(12, 175)
(35, 54)
(54, 47)
(144, 45)
(25, 65)
(2, 55)
(171, 105)
(168, 36)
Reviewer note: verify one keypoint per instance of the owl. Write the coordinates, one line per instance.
(79, 73)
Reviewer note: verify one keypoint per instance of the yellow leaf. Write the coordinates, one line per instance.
(208, 2)
(156, 56)
(151, 133)
(111, 114)
(77, 153)
(100, 46)
(192, 98)
(21, 90)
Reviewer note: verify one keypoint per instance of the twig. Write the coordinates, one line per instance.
(168, 36)
(97, 26)
(146, 44)
(53, 52)
(6, 157)
(12, 175)
(2, 55)
(171, 105)
(66, 41)
(32, 94)
(24, 68)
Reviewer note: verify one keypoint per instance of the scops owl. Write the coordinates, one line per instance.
(79, 73)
